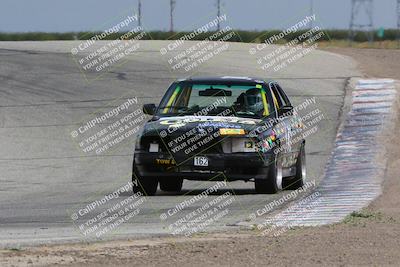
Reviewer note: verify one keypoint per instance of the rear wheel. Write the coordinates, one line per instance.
(171, 184)
(146, 185)
(299, 179)
(273, 183)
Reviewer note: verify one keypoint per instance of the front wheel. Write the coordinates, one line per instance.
(171, 184)
(299, 179)
(145, 185)
(273, 183)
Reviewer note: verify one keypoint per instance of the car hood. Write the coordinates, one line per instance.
(173, 125)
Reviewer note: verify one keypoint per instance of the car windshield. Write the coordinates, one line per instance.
(250, 100)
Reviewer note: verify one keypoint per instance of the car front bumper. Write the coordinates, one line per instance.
(234, 166)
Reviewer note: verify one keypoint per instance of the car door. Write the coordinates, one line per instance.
(295, 122)
(288, 124)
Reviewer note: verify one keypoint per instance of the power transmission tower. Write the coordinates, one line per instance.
(398, 23)
(172, 5)
(140, 13)
(218, 14)
(311, 12)
(358, 6)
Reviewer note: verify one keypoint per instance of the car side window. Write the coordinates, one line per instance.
(284, 99)
(277, 98)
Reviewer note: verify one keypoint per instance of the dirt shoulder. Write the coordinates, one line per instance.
(371, 237)
(379, 63)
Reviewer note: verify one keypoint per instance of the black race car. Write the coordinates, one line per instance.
(225, 128)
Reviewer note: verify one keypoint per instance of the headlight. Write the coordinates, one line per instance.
(154, 147)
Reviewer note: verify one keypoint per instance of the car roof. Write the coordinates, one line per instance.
(226, 79)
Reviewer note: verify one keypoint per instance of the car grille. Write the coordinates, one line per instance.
(212, 147)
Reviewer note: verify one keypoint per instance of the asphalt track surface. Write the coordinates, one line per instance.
(45, 177)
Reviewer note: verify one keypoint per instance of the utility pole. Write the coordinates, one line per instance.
(218, 14)
(311, 12)
(140, 13)
(172, 8)
(355, 21)
(398, 23)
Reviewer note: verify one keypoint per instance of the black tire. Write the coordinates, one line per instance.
(146, 185)
(171, 184)
(273, 183)
(298, 181)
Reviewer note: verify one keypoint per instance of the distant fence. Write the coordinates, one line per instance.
(242, 36)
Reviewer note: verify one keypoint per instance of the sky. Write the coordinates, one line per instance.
(81, 15)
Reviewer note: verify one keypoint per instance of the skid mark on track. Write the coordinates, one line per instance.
(355, 171)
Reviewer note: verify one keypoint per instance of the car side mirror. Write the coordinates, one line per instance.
(285, 110)
(149, 109)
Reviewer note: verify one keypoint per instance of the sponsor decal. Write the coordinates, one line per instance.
(179, 122)
(228, 131)
(165, 162)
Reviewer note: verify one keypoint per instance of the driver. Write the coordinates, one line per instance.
(251, 101)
